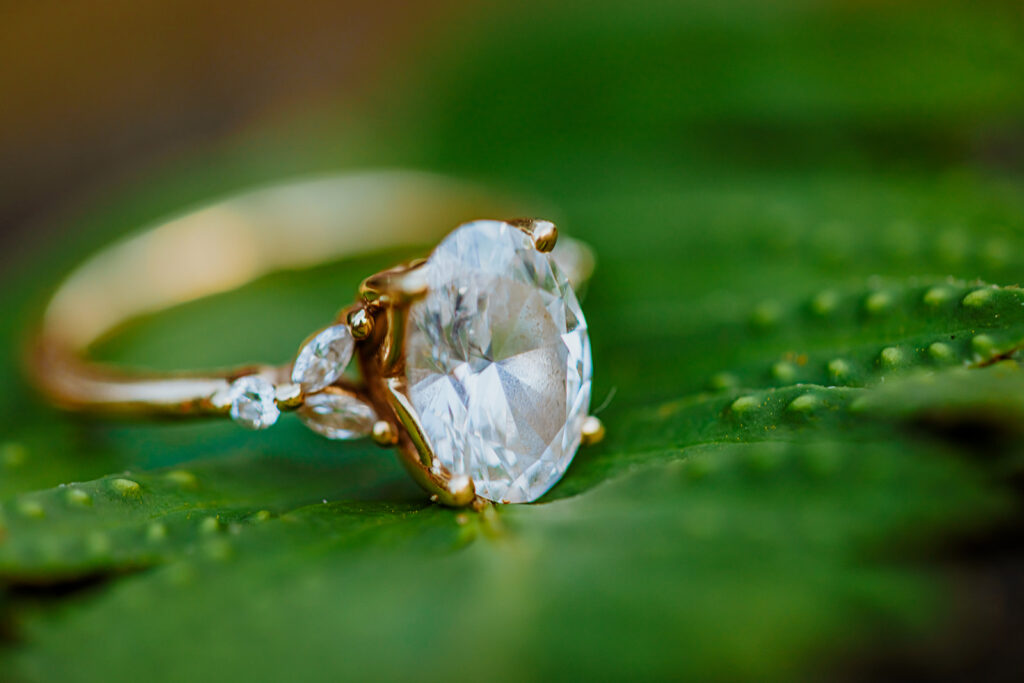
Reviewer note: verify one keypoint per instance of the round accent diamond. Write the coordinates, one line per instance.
(323, 358)
(498, 362)
(252, 402)
(337, 415)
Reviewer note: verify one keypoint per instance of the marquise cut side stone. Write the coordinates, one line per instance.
(498, 362)
(337, 415)
(323, 359)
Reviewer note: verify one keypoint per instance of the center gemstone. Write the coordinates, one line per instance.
(498, 362)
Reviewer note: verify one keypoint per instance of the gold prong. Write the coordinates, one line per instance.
(392, 292)
(360, 323)
(384, 434)
(592, 431)
(409, 419)
(543, 233)
(461, 490)
(392, 347)
(418, 456)
(401, 285)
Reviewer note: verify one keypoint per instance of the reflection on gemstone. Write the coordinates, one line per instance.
(498, 362)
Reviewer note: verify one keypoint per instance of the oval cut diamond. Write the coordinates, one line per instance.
(498, 362)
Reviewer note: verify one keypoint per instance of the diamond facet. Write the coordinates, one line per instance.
(498, 362)
(252, 402)
(337, 415)
(323, 359)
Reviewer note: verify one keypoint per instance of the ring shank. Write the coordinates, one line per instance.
(219, 248)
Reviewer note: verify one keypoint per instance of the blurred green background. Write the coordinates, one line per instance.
(737, 165)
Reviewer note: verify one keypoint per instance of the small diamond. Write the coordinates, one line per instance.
(337, 415)
(323, 358)
(252, 402)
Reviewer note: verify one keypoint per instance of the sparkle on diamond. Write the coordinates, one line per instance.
(499, 362)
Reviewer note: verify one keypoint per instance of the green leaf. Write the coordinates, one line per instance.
(133, 520)
(667, 549)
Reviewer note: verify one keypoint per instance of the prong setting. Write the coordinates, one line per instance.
(543, 233)
(384, 434)
(360, 323)
(401, 285)
(592, 431)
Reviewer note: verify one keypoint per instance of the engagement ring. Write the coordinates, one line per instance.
(474, 362)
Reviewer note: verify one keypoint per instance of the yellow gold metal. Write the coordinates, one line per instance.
(360, 323)
(392, 292)
(392, 347)
(399, 402)
(230, 243)
(543, 233)
(288, 396)
(593, 431)
(401, 284)
(384, 434)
